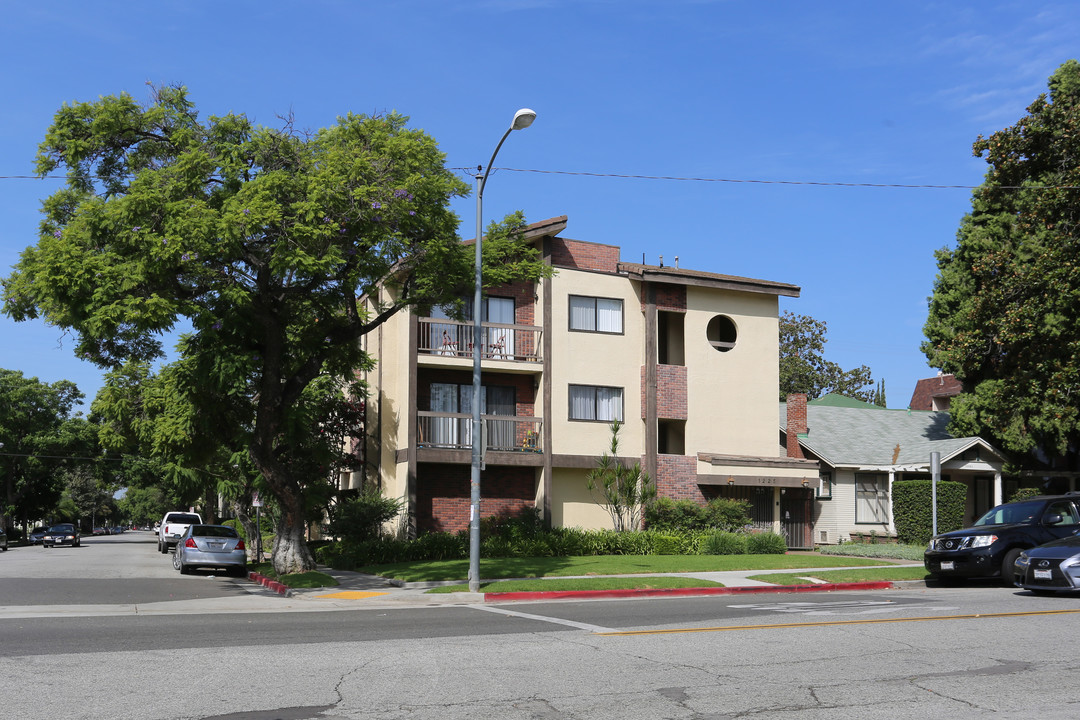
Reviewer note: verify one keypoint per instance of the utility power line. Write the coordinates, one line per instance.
(677, 178)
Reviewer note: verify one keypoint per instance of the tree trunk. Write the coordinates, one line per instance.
(291, 553)
(251, 532)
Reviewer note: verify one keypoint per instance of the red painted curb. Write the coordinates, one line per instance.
(268, 583)
(681, 592)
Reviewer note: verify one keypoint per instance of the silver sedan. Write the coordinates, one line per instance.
(1050, 568)
(211, 546)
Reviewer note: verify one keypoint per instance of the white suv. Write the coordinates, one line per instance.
(173, 525)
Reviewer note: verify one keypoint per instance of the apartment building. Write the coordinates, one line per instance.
(686, 360)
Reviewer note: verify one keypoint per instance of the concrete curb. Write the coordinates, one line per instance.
(683, 592)
(274, 585)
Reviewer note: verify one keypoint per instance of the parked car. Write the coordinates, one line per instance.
(172, 526)
(211, 546)
(35, 536)
(62, 534)
(3, 539)
(990, 547)
(1050, 568)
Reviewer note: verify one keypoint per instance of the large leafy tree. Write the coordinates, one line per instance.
(40, 435)
(1005, 312)
(804, 368)
(262, 240)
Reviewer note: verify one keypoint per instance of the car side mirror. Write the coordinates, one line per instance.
(1052, 519)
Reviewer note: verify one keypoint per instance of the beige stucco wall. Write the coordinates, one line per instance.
(731, 396)
(388, 384)
(572, 503)
(585, 358)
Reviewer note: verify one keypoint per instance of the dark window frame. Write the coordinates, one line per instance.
(595, 405)
(595, 314)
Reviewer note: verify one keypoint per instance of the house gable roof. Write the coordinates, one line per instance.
(927, 389)
(866, 436)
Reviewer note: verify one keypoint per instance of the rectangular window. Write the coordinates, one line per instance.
(871, 498)
(589, 402)
(825, 491)
(592, 314)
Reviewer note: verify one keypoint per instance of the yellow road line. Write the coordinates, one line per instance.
(822, 623)
(350, 595)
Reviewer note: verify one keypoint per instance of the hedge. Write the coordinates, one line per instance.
(913, 509)
(557, 542)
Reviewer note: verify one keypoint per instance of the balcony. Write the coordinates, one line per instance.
(504, 433)
(450, 338)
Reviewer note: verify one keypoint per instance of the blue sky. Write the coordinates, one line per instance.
(756, 100)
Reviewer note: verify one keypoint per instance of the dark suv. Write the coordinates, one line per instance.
(989, 548)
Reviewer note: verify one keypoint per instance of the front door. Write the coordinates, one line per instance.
(797, 517)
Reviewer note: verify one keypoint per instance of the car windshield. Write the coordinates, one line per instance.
(1023, 513)
(213, 531)
(62, 528)
(189, 519)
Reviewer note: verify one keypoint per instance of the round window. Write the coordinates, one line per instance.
(722, 333)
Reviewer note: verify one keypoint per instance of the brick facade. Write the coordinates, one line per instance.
(443, 495)
(671, 402)
(583, 255)
(670, 298)
(676, 478)
(796, 423)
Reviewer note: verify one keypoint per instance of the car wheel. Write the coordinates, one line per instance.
(1008, 569)
(176, 561)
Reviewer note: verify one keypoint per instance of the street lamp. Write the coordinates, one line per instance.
(523, 118)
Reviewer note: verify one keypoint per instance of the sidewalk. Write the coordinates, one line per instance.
(357, 589)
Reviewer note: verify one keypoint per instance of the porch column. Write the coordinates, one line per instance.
(892, 526)
(997, 488)
(776, 517)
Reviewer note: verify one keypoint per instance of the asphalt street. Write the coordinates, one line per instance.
(221, 648)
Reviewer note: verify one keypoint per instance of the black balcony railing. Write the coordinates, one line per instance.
(451, 338)
(505, 433)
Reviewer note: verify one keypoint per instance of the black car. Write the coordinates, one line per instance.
(3, 539)
(990, 547)
(1050, 568)
(62, 534)
(36, 535)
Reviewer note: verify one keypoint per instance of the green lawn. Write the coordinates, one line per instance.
(499, 568)
(598, 583)
(312, 579)
(846, 576)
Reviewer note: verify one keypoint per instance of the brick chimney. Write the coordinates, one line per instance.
(796, 423)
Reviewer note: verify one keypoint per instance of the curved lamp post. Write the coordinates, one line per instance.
(523, 118)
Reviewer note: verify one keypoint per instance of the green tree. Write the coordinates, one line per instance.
(40, 434)
(88, 494)
(624, 491)
(143, 505)
(804, 369)
(1005, 311)
(879, 394)
(263, 240)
